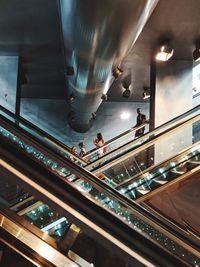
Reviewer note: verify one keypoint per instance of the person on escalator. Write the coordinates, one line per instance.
(82, 149)
(74, 152)
(99, 142)
(141, 119)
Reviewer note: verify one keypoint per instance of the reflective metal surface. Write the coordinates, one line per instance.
(112, 202)
(35, 243)
(97, 36)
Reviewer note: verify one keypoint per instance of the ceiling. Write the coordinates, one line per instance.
(176, 20)
(31, 29)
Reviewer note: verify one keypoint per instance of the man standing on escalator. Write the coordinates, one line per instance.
(141, 119)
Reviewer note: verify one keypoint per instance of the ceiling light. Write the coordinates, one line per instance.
(117, 72)
(145, 95)
(104, 97)
(146, 92)
(164, 53)
(196, 54)
(126, 93)
(125, 115)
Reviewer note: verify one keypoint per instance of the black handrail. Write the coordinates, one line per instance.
(105, 220)
(100, 185)
(64, 146)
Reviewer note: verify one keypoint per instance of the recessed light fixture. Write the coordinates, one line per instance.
(196, 54)
(117, 72)
(125, 115)
(164, 52)
(146, 93)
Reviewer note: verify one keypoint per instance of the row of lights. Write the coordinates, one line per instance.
(165, 52)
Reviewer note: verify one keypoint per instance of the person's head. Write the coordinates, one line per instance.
(80, 145)
(139, 110)
(99, 136)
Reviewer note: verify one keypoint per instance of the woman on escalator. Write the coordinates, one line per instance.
(99, 142)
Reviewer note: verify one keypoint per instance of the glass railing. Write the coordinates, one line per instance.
(42, 136)
(112, 149)
(46, 232)
(137, 162)
(141, 187)
(101, 194)
(131, 143)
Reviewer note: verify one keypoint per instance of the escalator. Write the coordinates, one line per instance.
(41, 231)
(112, 149)
(98, 194)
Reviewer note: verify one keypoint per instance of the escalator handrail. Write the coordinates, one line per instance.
(83, 160)
(96, 213)
(47, 137)
(143, 125)
(103, 187)
(133, 147)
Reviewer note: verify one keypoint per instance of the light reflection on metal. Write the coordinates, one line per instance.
(97, 36)
(35, 243)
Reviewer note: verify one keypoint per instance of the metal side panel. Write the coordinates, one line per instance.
(35, 244)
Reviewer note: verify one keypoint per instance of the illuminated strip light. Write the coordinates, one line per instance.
(53, 224)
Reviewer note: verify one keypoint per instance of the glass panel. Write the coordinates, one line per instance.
(43, 138)
(66, 235)
(137, 164)
(112, 149)
(129, 138)
(112, 205)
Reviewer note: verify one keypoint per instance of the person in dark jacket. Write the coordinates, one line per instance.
(141, 119)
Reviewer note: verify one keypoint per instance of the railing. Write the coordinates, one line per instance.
(156, 133)
(112, 149)
(100, 193)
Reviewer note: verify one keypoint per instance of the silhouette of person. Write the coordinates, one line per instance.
(141, 119)
(82, 149)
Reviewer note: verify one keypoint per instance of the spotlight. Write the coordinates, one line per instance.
(164, 52)
(71, 98)
(117, 72)
(146, 93)
(126, 93)
(104, 97)
(196, 54)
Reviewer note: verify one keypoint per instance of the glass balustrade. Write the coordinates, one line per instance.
(53, 228)
(113, 148)
(127, 141)
(162, 174)
(134, 164)
(117, 208)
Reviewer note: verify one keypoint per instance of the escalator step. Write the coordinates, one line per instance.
(142, 190)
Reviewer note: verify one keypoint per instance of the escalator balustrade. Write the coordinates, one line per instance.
(116, 207)
(157, 177)
(56, 230)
